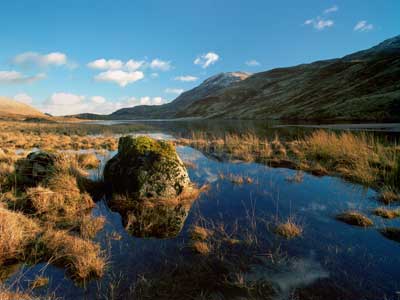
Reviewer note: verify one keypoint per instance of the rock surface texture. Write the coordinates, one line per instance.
(145, 168)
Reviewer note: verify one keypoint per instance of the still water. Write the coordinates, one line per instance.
(330, 260)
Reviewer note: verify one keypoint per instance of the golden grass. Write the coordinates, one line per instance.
(289, 229)
(90, 226)
(200, 233)
(387, 213)
(39, 282)
(355, 218)
(88, 160)
(82, 258)
(9, 295)
(16, 233)
(357, 157)
(201, 247)
(388, 196)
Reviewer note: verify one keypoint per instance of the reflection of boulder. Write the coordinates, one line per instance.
(150, 186)
(159, 219)
(146, 168)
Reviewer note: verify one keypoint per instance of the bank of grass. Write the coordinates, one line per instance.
(357, 157)
(48, 219)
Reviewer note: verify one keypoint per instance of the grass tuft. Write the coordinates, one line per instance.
(355, 218)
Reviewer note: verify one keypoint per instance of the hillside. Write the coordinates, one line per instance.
(13, 109)
(363, 86)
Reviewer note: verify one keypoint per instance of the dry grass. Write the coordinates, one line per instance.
(388, 196)
(10, 295)
(359, 158)
(17, 232)
(39, 282)
(199, 233)
(88, 160)
(90, 226)
(200, 247)
(392, 233)
(289, 230)
(82, 258)
(355, 218)
(387, 213)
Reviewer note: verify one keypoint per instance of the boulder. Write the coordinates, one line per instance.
(35, 168)
(145, 168)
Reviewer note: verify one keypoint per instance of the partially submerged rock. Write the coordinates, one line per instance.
(150, 187)
(355, 218)
(146, 168)
(36, 167)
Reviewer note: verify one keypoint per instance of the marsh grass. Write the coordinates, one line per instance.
(82, 258)
(387, 213)
(355, 218)
(359, 158)
(289, 229)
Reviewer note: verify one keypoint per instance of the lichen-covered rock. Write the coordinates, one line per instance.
(146, 168)
(36, 167)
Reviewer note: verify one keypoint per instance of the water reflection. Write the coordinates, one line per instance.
(152, 218)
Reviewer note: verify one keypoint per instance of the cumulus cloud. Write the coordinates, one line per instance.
(63, 103)
(252, 63)
(319, 23)
(14, 77)
(98, 99)
(120, 77)
(186, 78)
(162, 65)
(151, 101)
(174, 91)
(104, 64)
(23, 98)
(363, 26)
(206, 60)
(33, 59)
(331, 9)
(133, 65)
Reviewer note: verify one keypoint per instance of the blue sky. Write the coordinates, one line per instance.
(97, 56)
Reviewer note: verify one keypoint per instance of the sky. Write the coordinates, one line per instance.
(68, 57)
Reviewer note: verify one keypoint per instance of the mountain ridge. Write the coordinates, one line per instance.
(360, 86)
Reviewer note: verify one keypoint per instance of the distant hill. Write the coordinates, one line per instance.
(14, 109)
(363, 86)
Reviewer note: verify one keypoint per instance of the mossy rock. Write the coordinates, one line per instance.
(146, 168)
(35, 168)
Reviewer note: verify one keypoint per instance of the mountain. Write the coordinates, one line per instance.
(363, 86)
(13, 109)
(209, 87)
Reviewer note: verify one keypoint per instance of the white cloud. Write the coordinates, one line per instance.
(206, 60)
(174, 91)
(158, 64)
(23, 98)
(104, 64)
(319, 23)
(29, 59)
(252, 63)
(363, 26)
(133, 65)
(331, 9)
(120, 77)
(154, 75)
(151, 101)
(61, 104)
(186, 78)
(8, 77)
(98, 99)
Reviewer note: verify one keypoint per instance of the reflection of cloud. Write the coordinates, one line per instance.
(314, 207)
(299, 272)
